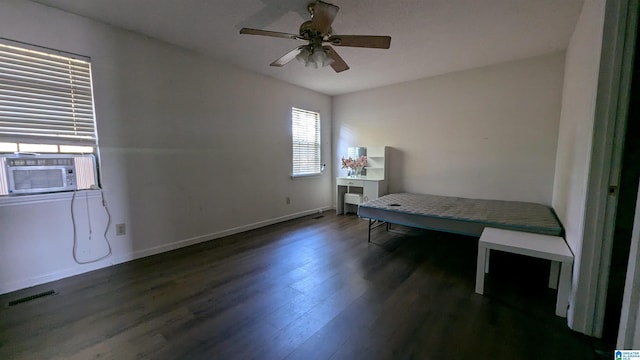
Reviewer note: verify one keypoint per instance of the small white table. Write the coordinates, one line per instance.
(552, 248)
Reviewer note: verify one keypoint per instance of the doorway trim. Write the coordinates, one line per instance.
(612, 103)
(629, 328)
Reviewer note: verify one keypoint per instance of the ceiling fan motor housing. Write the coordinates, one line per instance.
(308, 32)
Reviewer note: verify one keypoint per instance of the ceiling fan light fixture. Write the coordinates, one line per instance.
(321, 58)
(304, 55)
(315, 57)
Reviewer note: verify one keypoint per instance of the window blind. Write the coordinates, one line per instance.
(305, 129)
(45, 98)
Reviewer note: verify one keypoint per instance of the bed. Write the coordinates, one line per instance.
(459, 215)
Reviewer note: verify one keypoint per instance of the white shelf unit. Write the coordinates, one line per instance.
(364, 188)
(377, 162)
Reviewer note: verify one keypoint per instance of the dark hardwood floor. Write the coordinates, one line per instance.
(311, 288)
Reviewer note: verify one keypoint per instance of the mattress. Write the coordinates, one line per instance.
(461, 215)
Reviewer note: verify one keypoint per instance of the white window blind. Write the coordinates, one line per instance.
(305, 129)
(45, 98)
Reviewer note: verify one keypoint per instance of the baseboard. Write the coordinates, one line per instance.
(26, 283)
(212, 236)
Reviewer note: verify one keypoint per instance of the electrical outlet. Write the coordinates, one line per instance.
(121, 229)
(287, 200)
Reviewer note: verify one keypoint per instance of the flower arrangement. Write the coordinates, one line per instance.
(356, 165)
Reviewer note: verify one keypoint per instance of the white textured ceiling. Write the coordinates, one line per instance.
(429, 37)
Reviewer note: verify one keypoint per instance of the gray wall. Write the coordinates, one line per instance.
(191, 149)
(488, 133)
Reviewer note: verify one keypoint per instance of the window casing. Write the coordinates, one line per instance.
(46, 102)
(306, 145)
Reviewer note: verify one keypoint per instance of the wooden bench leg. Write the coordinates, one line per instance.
(481, 266)
(553, 274)
(564, 285)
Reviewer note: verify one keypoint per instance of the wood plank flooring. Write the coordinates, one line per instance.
(310, 288)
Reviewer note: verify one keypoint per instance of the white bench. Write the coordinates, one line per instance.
(552, 248)
(353, 199)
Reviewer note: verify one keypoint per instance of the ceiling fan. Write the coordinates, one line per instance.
(318, 34)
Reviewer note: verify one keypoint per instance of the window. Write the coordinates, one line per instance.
(46, 102)
(305, 131)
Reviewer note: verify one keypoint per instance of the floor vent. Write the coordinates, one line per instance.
(317, 217)
(32, 297)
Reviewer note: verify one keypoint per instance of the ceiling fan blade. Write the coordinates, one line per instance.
(286, 58)
(250, 31)
(323, 15)
(338, 63)
(366, 41)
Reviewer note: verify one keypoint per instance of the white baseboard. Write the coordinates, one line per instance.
(212, 236)
(110, 261)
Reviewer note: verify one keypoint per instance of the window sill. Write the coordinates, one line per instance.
(305, 176)
(13, 200)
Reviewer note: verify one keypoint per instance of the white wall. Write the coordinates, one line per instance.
(191, 149)
(489, 133)
(575, 138)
